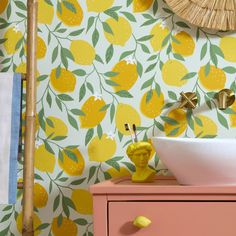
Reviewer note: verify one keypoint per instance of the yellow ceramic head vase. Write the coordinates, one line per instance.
(139, 154)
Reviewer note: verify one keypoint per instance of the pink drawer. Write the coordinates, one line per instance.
(173, 218)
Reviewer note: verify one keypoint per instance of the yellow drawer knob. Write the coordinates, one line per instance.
(141, 222)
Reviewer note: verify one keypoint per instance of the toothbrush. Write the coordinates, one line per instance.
(135, 133)
(127, 128)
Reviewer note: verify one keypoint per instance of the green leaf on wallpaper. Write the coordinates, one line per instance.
(2, 41)
(175, 40)
(7, 208)
(21, 5)
(81, 221)
(72, 121)
(77, 112)
(167, 10)
(158, 89)
(6, 60)
(112, 14)
(59, 138)
(165, 40)
(59, 220)
(217, 50)
(38, 177)
(198, 121)
(145, 38)
(203, 51)
(48, 147)
(105, 107)
(149, 96)
(159, 125)
(189, 76)
(9, 11)
(19, 43)
(49, 99)
(169, 120)
(49, 2)
(128, 3)
(169, 48)
(41, 119)
(107, 28)
(178, 57)
(120, 136)
(61, 157)
(124, 94)
(90, 23)
(213, 56)
(62, 30)
(1, 53)
(129, 16)
(65, 209)
(89, 136)
(145, 48)
(182, 24)
(198, 97)
(109, 53)
(67, 53)
(150, 67)
(126, 54)
(111, 83)
(139, 69)
(172, 95)
(42, 77)
(42, 226)
(79, 72)
(149, 22)
(173, 132)
(111, 74)
(91, 172)
(107, 176)
(58, 71)
(148, 83)
(59, 104)
(99, 131)
(3, 26)
(65, 97)
(222, 120)
(129, 165)
(209, 136)
(230, 69)
(114, 164)
(207, 69)
(82, 92)
(112, 112)
(229, 111)
(57, 26)
(77, 32)
(115, 8)
(70, 6)
(95, 37)
(5, 231)
(54, 54)
(155, 7)
(208, 102)
(211, 94)
(99, 59)
(6, 217)
(147, 16)
(78, 181)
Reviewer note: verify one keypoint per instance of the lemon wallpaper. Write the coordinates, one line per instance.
(103, 63)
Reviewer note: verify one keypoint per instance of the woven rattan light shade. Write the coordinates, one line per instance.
(213, 14)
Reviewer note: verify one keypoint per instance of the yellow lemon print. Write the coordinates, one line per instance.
(44, 160)
(126, 76)
(159, 34)
(116, 174)
(172, 73)
(3, 5)
(99, 5)
(233, 117)
(71, 17)
(141, 5)
(226, 45)
(67, 227)
(121, 29)
(59, 128)
(215, 80)
(40, 196)
(83, 201)
(71, 167)
(13, 35)
(41, 48)
(37, 223)
(180, 116)
(45, 12)
(101, 150)
(21, 68)
(208, 127)
(83, 52)
(65, 83)
(126, 114)
(186, 44)
(23, 124)
(153, 107)
(93, 116)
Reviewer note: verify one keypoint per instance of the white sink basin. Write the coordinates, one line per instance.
(199, 161)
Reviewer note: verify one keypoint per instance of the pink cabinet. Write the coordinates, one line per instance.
(174, 210)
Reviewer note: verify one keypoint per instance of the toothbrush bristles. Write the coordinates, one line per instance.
(127, 128)
(135, 133)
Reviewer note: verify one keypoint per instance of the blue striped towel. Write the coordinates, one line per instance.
(10, 105)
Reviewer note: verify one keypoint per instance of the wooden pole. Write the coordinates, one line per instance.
(28, 204)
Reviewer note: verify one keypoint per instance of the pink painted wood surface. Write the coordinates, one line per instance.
(100, 216)
(162, 185)
(173, 218)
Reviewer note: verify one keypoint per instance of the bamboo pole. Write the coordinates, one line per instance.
(28, 204)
